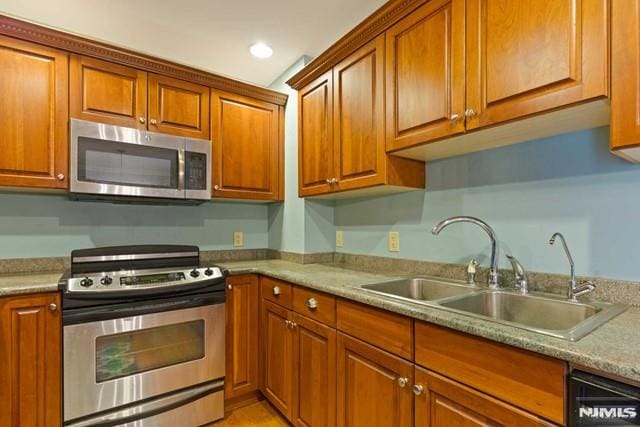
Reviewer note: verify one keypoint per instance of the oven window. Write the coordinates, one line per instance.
(130, 353)
(117, 163)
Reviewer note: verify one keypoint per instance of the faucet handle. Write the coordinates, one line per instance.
(471, 272)
(583, 288)
(519, 273)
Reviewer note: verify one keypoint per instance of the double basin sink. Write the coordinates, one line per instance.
(542, 313)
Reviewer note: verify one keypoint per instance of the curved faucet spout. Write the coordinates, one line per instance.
(493, 271)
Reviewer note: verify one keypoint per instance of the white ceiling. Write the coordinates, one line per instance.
(213, 35)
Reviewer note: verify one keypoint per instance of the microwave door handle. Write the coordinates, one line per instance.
(181, 169)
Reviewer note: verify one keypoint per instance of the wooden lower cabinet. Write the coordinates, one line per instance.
(374, 387)
(30, 361)
(242, 376)
(441, 402)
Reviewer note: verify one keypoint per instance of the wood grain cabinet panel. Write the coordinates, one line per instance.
(278, 357)
(242, 314)
(315, 373)
(107, 93)
(246, 147)
(178, 107)
(358, 123)
(425, 76)
(370, 391)
(444, 403)
(525, 57)
(34, 112)
(315, 133)
(30, 361)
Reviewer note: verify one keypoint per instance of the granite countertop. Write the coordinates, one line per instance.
(613, 348)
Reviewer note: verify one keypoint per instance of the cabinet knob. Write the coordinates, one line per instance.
(329, 181)
(311, 304)
(418, 389)
(276, 290)
(469, 113)
(142, 120)
(60, 177)
(229, 287)
(216, 187)
(53, 307)
(402, 381)
(153, 122)
(455, 118)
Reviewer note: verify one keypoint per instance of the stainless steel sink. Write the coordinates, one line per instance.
(421, 289)
(548, 315)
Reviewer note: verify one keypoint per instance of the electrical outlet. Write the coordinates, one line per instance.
(238, 238)
(339, 238)
(394, 241)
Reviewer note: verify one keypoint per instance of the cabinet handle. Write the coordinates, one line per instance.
(53, 307)
(455, 118)
(229, 287)
(60, 177)
(402, 381)
(418, 389)
(153, 122)
(329, 181)
(311, 304)
(276, 290)
(469, 113)
(293, 324)
(216, 187)
(142, 120)
(335, 181)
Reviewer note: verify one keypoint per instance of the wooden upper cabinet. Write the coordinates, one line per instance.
(315, 133)
(246, 147)
(444, 402)
(370, 390)
(30, 384)
(242, 336)
(109, 93)
(34, 113)
(425, 75)
(358, 123)
(178, 107)
(525, 57)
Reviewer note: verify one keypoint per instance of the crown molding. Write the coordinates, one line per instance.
(83, 46)
(372, 26)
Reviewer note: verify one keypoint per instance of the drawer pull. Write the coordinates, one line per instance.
(402, 381)
(53, 307)
(276, 290)
(311, 304)
(418, 389)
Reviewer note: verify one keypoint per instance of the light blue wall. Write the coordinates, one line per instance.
(298, 225)
(33, 225)
(569, 183)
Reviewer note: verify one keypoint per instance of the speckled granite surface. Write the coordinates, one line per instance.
(29, 283)
(613, 348)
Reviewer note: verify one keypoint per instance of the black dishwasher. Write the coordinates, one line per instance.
(598, 401)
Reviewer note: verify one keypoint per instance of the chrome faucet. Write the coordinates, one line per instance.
(493, 270)
(520, 274)
(575, 290)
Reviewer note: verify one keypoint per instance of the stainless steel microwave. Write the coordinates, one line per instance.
(129, 165)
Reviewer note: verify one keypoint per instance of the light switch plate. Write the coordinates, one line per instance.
(394, 241)
(339, 238)
(238, 238)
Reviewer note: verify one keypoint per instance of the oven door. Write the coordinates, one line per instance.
(116, 362)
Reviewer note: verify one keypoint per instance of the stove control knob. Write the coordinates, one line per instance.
(86, 282)
(106, 280)
(194, 273)
(208, 272)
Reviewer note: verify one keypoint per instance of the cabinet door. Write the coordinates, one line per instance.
(34, 112)
(107, 93)
(374, 387)
(425, 74)
(277, 349)
(178, 107)
(30, 360)
(315, 368)
(524, 57)
(315, 133)
(358, 123)
(442, 402)
(242, 336)
(246, 142)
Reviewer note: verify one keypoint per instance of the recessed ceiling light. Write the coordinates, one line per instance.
(261, 50)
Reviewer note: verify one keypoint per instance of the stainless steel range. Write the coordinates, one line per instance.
(143, 338)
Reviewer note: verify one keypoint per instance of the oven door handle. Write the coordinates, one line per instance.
(149, 408)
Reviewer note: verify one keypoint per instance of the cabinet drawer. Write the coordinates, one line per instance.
(315, 305)
(389, 331)
(277, 291)
(533, 382)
